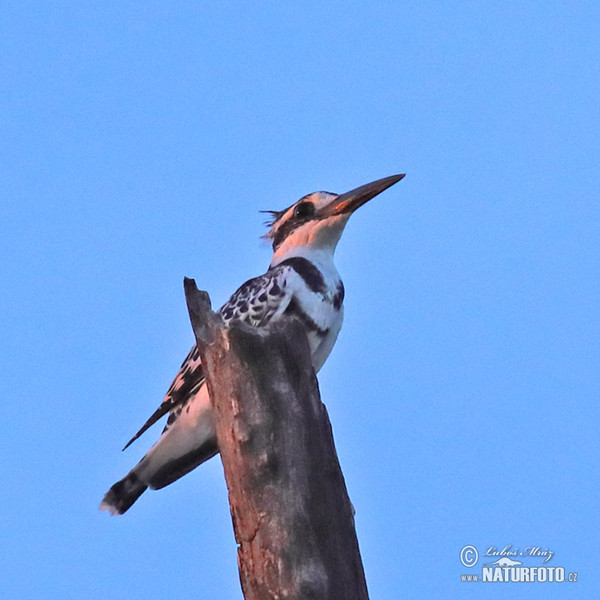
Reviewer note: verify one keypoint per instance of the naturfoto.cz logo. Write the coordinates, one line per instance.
(513, 565)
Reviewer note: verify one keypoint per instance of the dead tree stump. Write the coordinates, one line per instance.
(291, 514)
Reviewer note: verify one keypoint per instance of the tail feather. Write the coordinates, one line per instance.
(182, 465)
(187, 441)
(123, 494)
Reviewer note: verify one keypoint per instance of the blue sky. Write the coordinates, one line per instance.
(140, 140)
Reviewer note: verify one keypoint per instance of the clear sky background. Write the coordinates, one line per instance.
(139, 142)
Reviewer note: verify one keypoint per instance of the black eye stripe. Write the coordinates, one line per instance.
(303, 212)
(304, 209)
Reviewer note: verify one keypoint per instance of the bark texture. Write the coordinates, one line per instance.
(291, 514)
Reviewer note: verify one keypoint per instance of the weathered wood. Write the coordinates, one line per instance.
(291, 514)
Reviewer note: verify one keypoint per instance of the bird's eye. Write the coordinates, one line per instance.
(304, 209)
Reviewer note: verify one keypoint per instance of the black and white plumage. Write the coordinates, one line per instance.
(301, 281)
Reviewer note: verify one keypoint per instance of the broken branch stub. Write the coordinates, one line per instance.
(292, 517)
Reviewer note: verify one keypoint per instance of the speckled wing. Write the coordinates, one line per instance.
(256, 302)
(262, 299)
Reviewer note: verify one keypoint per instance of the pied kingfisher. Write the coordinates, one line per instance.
(301, 281)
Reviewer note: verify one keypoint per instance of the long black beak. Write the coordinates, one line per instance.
(350, 201)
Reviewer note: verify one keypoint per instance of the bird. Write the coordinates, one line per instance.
(301, 282)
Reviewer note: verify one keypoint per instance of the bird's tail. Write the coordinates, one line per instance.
(187, 441)
(123, 494)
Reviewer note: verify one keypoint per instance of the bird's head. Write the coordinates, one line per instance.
(316, 221)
